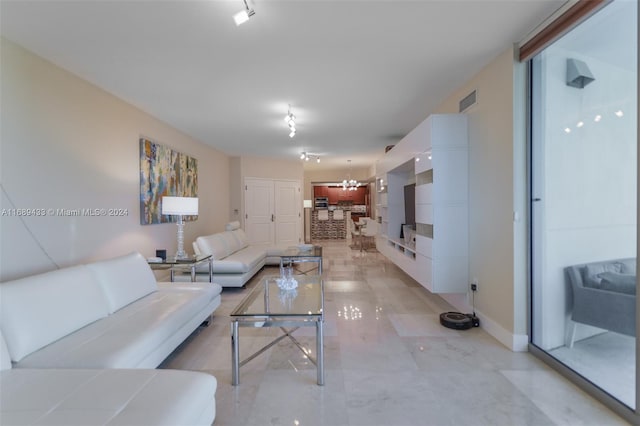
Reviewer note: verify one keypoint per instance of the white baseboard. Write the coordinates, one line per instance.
(515, 342)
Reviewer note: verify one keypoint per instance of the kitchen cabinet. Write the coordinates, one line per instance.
(336, 194)
(320, 191)
(359, 195)
(333, 194)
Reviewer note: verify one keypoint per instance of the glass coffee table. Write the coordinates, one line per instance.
(293, 255)
(269, 306)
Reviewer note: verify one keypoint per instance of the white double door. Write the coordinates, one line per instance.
(273, 211)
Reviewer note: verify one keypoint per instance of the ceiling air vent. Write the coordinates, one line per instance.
(468, 101)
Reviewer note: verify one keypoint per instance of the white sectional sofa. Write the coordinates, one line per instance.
(234, 260)
(74, 344)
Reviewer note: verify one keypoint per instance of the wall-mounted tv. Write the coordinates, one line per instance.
(410, 204)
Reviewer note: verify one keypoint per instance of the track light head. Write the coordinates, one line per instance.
(243, 16)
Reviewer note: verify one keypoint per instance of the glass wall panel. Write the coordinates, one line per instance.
(584, 178)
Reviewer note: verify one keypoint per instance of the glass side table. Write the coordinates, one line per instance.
(189, 263)
(293, 255)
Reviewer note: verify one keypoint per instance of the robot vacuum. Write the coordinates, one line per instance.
(459, 321)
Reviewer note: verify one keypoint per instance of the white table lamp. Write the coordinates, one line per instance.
(180, 206)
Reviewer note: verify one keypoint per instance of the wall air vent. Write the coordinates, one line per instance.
(468, 101)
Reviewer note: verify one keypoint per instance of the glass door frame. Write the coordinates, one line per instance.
(536, 201)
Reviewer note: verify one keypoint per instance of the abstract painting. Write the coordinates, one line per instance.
(164, 172)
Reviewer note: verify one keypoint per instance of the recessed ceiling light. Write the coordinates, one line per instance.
(580, 124)
(597, 118)
(619, 113)
(567, 130)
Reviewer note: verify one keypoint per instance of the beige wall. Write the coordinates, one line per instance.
(235, 189)
(270, 168)
(68, 144)
(497, 191)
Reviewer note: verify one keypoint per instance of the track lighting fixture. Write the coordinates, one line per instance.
(290, 119)
(306, 157)
(243, 16)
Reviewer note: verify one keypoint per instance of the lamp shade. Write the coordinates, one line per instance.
(180, 206)
(307, 204)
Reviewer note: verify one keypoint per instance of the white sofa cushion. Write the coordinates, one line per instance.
(276, 250)
(233, 243)
(41, 309)
(232, 226)
(5, 358)
(240, 261)
(242, 237)
(127, 338)
(107, 397)
(196, 249)
(213, 245)
(124, 279)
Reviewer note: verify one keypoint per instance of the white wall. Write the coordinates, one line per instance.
(67, 144)
(589, 188)
(497, 189)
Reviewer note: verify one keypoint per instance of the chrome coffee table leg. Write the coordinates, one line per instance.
(235, 354)
(320, 351)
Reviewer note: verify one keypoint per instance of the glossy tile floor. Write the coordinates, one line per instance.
(388, 361)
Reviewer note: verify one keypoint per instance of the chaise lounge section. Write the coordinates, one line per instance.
(235, 261)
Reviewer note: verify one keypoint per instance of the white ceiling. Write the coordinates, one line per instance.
(359, 75)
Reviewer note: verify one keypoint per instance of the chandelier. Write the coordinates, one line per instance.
(350, 184)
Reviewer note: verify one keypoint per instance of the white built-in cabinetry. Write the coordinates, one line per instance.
(434, 156)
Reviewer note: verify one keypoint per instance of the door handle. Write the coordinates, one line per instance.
(273, 218)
